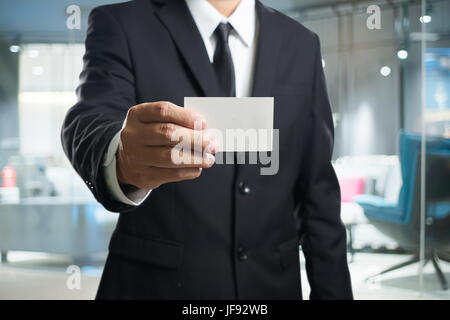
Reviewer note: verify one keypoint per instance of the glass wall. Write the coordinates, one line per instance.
(50, 224)
(386, 64)
(435, 152)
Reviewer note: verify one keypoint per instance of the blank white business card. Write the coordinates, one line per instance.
(237, 124)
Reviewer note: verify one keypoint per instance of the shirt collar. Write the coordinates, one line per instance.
(207, 18)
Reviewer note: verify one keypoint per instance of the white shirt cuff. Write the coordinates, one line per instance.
(134, 198)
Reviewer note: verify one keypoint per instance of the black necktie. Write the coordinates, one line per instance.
(223, 62)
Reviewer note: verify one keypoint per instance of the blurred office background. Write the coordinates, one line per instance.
(389, 89)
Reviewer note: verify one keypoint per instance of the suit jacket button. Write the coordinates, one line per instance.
(244, 188)
(242, 254)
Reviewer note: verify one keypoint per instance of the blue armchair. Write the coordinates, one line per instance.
(401, 220)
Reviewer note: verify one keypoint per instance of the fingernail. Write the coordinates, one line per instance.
(209, 158)
(199, 124)
(210, 148)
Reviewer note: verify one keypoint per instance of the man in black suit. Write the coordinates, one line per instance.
(224, 232)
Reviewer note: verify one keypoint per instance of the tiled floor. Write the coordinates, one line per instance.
(40, 276)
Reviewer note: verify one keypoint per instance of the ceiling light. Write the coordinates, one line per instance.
(385, 71)
(402, 54)
(425, 19)
(14, 48)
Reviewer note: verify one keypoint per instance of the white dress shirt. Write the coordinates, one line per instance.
(242, 42)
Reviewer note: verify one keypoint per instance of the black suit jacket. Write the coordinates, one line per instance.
(205, 238)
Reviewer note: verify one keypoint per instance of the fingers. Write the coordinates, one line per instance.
(162, 142)
(168, 112)
(169, 134)
(158, 176)
(168, 157)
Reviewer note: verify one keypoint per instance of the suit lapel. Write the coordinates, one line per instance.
(268, 45)
(176, 17)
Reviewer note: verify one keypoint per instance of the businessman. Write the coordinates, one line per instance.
(200, 230)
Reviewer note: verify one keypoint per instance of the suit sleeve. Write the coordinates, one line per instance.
(322, 231)
(105, 94)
